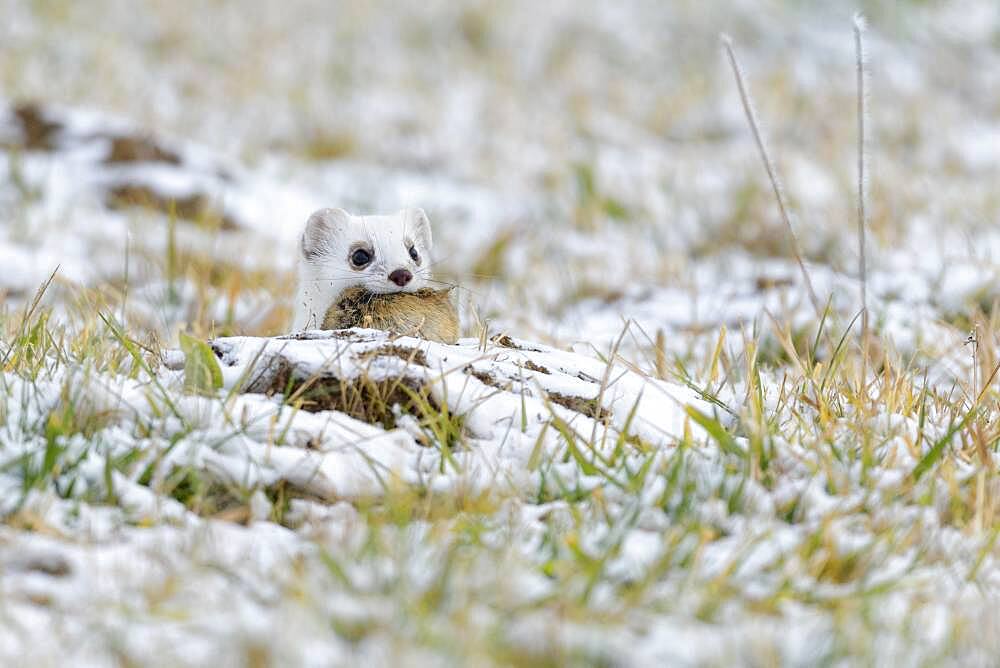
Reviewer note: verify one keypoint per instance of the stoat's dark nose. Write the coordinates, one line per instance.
(400, 277)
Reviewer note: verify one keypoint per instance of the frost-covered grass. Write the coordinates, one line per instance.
(649, 448)
(778, 508)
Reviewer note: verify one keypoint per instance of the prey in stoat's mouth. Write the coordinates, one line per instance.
(426, 313)
(371, 271)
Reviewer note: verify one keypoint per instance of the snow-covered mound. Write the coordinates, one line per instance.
(504, 396)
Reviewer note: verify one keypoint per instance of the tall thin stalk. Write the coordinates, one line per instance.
(772, 173)
(861, 57)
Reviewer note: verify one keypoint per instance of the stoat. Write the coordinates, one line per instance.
(371, 271)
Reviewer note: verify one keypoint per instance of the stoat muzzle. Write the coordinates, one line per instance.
(426, 313)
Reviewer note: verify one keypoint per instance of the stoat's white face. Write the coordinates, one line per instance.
(380, 253)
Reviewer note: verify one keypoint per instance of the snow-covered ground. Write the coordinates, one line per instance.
(650, 448)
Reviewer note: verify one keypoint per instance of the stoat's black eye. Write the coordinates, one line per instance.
(361, 257)
(414, 254)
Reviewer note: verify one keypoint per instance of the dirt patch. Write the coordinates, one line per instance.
(47, 563)
(531, 366)
(485, 378)
(38, 132)
(362, 398)
(412, 355)
(128, 149)
(764, 283)
(196, 207)
(365, 399)
(505, 341)
(589, 407)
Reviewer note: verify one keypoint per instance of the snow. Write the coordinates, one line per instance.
(580, 513)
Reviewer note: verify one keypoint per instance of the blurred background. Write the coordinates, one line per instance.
(585, 164)
(582, 162)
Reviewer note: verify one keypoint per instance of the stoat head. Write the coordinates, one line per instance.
(382, 254)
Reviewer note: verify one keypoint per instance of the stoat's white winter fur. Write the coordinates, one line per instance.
(329, 243)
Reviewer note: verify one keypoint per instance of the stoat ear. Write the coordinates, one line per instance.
(421, 226)
(321, 228)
